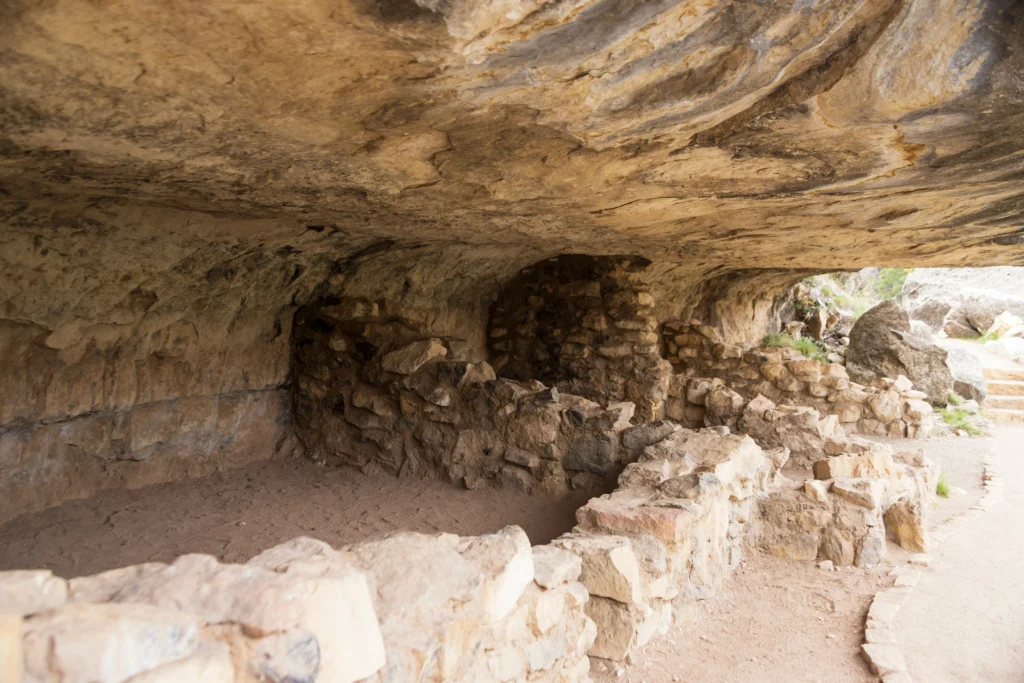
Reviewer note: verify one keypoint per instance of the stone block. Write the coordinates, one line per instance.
(553, 566)
(210, 663)
(412, 357)
(609, 566)
(338, 609)
(107, 643)
(31, 590)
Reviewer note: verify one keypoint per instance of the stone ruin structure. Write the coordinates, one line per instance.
(701, 476)
(516, 244)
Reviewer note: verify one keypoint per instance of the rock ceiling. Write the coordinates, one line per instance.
(753, 133)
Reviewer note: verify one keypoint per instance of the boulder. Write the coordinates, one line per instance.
(882, 345)
(968, 374)
(1011, 347)
(957, 326)
(1004, 324)
(980, 294)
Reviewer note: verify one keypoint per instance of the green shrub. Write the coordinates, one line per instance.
(958, 418)
(954, 398)
(943, 487)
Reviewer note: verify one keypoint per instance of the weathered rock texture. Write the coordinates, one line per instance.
(883, 345)
(414, 607)
(380, 392)
(405, 607)
(716, 380)
(854, 502)
(177, 179)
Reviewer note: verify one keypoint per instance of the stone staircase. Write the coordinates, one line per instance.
(1005, 402)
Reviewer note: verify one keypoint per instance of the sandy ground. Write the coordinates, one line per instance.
(964, 622)
(775, 621)
(237, 514)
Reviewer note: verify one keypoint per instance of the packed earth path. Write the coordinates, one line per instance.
(963, 623)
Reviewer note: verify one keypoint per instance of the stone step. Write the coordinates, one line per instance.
(1006, 415)
(1012, 374)
(1005, 402)
(1005, 388)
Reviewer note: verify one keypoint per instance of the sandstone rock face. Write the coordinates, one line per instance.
(172, 191)
(938, 296)
(882, 346)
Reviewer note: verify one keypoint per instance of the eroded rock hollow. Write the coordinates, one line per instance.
(179, 179)
(519, 244)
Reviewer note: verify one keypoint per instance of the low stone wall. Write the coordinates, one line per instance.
(670, 534)
(891, 407)
(854, 502)
(405, 607)
(381, 393)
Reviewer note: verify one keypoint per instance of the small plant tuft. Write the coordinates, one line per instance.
(943, 487)
(808, 347)
(987, 337)
(957, 418)
(954, 398)
(811, 349)
(777, 340)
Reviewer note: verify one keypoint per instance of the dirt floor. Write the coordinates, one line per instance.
(964, 621)
(237, 514)
(775, 621)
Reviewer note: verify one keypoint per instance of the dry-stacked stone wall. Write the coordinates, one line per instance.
(382, 393)
(889, 407)
(583, 324)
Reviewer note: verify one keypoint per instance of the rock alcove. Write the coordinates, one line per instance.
(520, 245)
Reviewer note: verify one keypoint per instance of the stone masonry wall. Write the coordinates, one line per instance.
(889, 407)
(582, 324)
(401, 608)
(381, 393)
